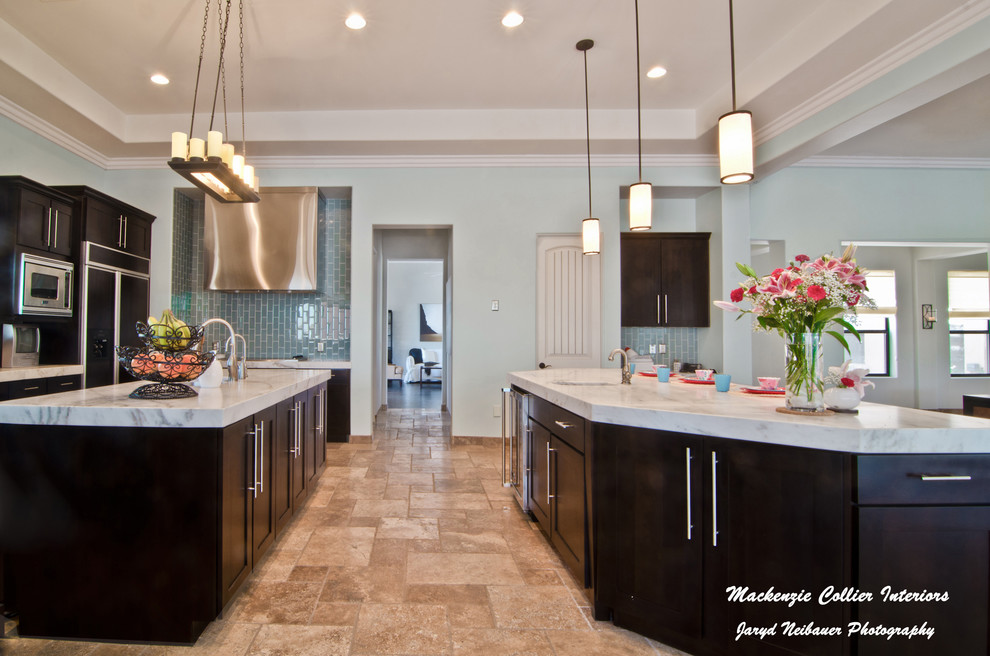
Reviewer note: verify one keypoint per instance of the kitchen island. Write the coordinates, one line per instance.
(715, 524)
(137, 520)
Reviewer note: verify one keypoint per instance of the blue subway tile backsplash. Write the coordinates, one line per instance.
(682, 343)
(276, 325)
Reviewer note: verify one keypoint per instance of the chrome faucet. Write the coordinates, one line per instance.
(239, 363)
(231, 365)
(626, 374)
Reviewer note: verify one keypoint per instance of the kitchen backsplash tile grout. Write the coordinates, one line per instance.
(276, 325)
(682, 343)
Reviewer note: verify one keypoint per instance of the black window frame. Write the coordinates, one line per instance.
(886, 346)
(986, 334)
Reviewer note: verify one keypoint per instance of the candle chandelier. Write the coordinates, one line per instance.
(212, 165)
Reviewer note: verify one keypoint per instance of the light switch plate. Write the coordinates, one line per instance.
(661, 348)
(495, 306)
(496, 411)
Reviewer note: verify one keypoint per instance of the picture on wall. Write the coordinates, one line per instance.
(430, 322)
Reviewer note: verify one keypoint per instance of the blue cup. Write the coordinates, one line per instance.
(722, 382)
(663, 374)
(632, 367)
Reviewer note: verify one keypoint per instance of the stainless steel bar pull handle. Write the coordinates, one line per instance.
(261, 458)
(658, 309)
(299, 419)
(254, 462)
(687, 468)
(48, 228)
(120, 231)
(125, 233)
(665, 308)
(714, 500)
(504, 392)
(563, 424)
(55, 232)
(946, 477)
(549, 451)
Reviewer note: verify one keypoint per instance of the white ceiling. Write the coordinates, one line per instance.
(445, 78)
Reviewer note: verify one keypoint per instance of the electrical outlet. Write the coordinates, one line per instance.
(661, 348)
(496, 411)
(653, 349)
(495, 306)
(319, 346)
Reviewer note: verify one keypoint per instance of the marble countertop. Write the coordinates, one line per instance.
(213, 408)
(8, 374)
(700, 410)
(297, 364)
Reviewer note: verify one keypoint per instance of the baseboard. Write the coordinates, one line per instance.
(464, 440)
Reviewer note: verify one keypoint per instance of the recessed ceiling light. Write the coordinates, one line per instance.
(158, 78)
(512, 19)
(656, 71)
(355, 21)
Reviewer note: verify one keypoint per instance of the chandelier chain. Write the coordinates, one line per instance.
(223, 83)
(224, 23)
(240, 9)
(732, 55)
(199, 66)
(587, 126)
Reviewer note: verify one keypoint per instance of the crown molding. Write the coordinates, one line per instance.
(826, 161)
(949, 25)
(57, 136)
(440, 161)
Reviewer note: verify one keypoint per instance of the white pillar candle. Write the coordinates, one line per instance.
(197, 148)
(257, 183)
(179, 145)
(238, 164)
(214, 141)
(248, 175)
(227, 154)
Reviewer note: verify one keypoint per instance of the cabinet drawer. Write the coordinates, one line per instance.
(64, 384)
(22, 389)
(564, 424)
(923, 480)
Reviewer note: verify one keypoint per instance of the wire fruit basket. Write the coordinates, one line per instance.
(167, 360)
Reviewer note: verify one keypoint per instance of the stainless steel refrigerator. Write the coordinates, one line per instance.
(115, 291)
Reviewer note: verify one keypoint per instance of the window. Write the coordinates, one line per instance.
(969, 323)
(876, 326)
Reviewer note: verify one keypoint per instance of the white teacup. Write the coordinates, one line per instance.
(704, 374)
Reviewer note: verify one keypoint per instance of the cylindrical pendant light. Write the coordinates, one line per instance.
(590, 228)
(735, 131)
(641, 193)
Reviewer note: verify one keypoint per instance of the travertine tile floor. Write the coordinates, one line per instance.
(409, 545)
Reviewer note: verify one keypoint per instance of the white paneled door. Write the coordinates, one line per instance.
(568, 303)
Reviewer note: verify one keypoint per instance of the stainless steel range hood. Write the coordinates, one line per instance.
(269, 245)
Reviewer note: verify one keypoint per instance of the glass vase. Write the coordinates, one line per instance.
(804, 373)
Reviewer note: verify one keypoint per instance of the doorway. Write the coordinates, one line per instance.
(414, 305)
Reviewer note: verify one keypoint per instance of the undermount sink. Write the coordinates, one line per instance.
(584, 383)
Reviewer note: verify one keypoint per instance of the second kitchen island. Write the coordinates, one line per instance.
(136, 520)
(712, 523)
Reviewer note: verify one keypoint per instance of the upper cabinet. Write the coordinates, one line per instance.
(665, 279)
(112, 223)
(40, 216)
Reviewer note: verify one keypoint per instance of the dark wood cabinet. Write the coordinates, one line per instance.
(924, 527)
(558, 494)
(685, 519)
(299, 452)
(248, 520)
(284, 442)
(37, 217)
(665, 279)
(338, 401)
(300, 430)
(110, 222)
(22, 389)
(651, 531)
(317, 441)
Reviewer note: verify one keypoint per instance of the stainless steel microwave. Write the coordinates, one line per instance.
(44, 286)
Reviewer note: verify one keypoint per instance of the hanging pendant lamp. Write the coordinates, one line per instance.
(641, 193)
(212, 165)
(735, 131)
(590, 228)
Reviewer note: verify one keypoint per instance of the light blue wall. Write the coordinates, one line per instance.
(495, 215)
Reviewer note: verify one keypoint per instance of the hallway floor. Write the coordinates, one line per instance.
(408, 545)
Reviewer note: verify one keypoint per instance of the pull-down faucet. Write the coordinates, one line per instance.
(626, 374)
(232, 365)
